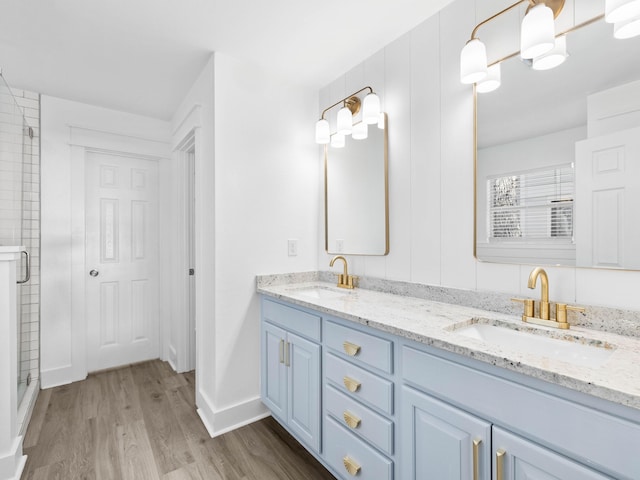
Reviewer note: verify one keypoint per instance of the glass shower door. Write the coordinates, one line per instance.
(15, 141)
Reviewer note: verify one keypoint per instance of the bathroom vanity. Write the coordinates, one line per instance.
(386, 386)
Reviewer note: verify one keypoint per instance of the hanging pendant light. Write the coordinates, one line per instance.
(627, 29)
(492, 81)
(537, 33)
(556, 56)
(621, 10)
(345, 121)
(323, 134)
(473, 62)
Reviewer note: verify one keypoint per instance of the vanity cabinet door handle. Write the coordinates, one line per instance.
(351, 466)
(500, 453)
(351, 420)
(287, 353)
(351, 384)
(281, 350)
(476, 458)
(351, 349)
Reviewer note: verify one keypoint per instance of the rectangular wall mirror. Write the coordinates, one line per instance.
(558, 158)
(357, 195)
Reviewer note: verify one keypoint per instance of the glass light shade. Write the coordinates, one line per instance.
(473, 62)
(556, 56)
(345, 121)
(381, 121)
(627, 29)
(370, 108)
(537, 33)
(492, 81)
(323, 135)
(621, 10)
(360, 131)
(337, 140)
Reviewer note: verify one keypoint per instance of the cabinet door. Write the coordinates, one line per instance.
(441, 441)
(274, 371)
(520, 459)
(304, 389)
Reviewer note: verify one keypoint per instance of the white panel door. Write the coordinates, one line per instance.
(607, 197)
(121, 260)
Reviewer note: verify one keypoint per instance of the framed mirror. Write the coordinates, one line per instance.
(558, 158)
(357, 195)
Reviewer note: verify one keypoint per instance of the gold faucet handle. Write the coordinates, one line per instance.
(529, 305)
(561, 311)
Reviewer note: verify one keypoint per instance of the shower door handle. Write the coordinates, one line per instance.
(28, 265)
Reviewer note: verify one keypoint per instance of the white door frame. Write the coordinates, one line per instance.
(187, 138)
(85, 140)
(180, 347)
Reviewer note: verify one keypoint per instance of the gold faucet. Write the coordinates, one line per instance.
(344, 279)
(545, 306)
(544, 290)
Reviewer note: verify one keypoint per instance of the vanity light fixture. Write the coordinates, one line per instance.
(351, 105)
(540, 47)
(627, 28)
(556, 56)
(537, 34)
(360, 131)
(492, 81)
(621, 10)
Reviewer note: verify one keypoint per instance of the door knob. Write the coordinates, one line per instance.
(94, 273)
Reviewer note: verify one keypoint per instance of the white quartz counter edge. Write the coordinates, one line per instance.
(427, 322)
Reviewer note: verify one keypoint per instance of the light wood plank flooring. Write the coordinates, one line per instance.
(140, 422)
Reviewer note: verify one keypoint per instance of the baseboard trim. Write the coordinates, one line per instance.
(12, 464)
(219, 422)
(54, 377)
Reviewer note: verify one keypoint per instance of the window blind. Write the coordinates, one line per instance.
(534, 204)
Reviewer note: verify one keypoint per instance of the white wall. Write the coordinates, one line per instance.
(63, 357)
(431, 167)
(257, 187)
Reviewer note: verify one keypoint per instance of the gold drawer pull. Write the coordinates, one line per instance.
(476, 458)
(351, 384)
(351, 420)
(500, 464)
(351, 465)
(281, 350)
(351, 349)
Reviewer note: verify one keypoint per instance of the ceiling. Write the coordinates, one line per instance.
(141, 56)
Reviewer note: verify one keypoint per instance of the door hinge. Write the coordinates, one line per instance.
(192, 271)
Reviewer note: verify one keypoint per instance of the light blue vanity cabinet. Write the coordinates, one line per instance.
(290, 369)
(441, 441)
(546, 433)
(393, 408)
(520, 459)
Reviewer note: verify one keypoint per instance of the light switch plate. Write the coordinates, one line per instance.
(292, 247)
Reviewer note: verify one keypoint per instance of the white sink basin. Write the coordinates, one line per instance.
(569, 348)
(321, 293)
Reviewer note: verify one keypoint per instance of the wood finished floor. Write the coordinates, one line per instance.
(140, 422)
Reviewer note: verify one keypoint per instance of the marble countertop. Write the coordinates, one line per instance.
(436, 323)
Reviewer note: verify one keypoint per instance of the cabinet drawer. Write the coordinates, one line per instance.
(292, 319)
(369, 349)
(367, 387)
(341, 444)
(369, 425)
